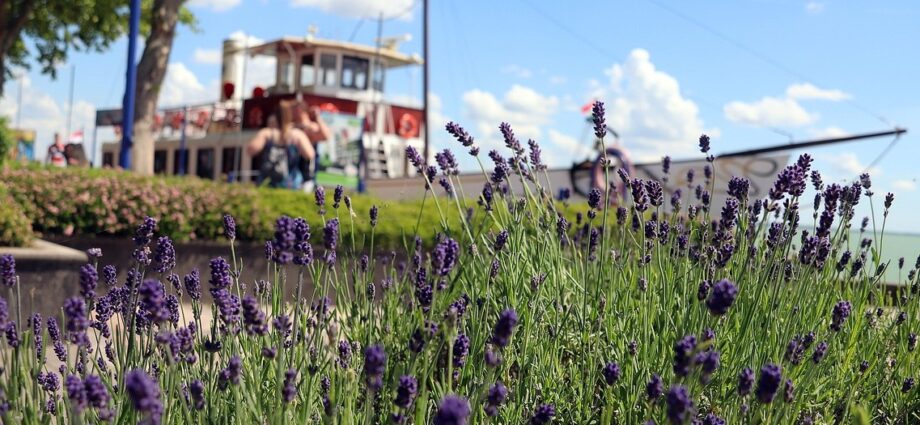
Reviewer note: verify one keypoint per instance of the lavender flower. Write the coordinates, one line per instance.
(7, 270)
(375, 361)
(839, 315)
(654, 388)
(504, 327)
(535, 156)
(461, 135)
(230, 374)
(452, 410)
(683, 355)
(406, 391)
(374, 212)
(544, 414)
(77, 320)
(501, 240)
(331, 234)
(151, 298)
(611, 373)
(444, 257)
(12, 336)
(679, 404)
(229, 227)
(144, 233)
(89, 278)
(144, 394)
(253, 319)
(196, 390)
(495, 398)
(164, 257)
(337, 194)
(289, 390)
(192, 283)
(722, 297)
(319, 196)
(745, 381)
(597, 116)
(461, 350)
(907, 385)
(594, 198)
(76, 393)
(768, 384)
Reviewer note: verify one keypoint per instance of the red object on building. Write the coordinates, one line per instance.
(228, 90)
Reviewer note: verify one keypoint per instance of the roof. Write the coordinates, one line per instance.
(392, 57)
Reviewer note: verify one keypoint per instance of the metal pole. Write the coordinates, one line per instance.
(425, 72)
(182, 150)
(127, 106)
(73, 71)
(238, 150)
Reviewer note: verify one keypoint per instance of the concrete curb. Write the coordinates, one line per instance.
(41, 250)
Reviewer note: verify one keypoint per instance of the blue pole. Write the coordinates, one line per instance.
(182, 150)
(127, 106)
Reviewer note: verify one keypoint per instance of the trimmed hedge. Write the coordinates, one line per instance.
(107, 202)
(15, 227)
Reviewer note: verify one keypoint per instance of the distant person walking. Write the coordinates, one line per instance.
(56, 153)
(281, 148)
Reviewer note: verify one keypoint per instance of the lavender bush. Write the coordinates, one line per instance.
(517, 315)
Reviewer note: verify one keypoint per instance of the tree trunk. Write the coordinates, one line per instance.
(150, 74)
(13, 17)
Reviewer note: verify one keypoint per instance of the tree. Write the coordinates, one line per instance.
(151, 70)
(55, 27)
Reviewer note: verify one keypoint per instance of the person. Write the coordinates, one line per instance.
(76, 156)
(281, 148)
(56, 153)
(309, 120)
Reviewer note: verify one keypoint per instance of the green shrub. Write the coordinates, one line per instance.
(15, 227)
(108, 202)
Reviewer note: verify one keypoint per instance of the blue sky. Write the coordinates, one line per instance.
(749, 72)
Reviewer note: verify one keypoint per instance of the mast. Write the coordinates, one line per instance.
(425, 72)
(897, 132)
(127, 107)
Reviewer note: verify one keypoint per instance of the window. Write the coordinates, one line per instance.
(177, 154)
(379, 73)
(327, 65)
(159, 161)
(307, 71)
(108, 159)
(228, 162)
(354, 73)
(205, 163)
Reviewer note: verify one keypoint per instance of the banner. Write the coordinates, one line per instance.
(341, 159)
(25, 145)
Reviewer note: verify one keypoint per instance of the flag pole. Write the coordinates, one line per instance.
(127, 107)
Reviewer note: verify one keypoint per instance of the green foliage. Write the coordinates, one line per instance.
(57, 27)
(7, 140)
(107, 202)
(15, 227)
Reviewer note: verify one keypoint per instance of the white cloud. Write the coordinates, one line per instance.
(44, 114)
(182, 87)
(905, 185)
(517, 71)
(370, 9)
(829, 132)
(524, 108)
(646, 107)
(809, 91)
(770, 112)
(814, 7)
(215, 5)
(208, 56)
(575, 149)
(557, 80)
(848, 164)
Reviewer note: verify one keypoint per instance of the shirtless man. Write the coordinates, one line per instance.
(281, 147)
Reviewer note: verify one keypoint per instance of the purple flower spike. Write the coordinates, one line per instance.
(452, 410)
(679, 404)
(504, 327)
(771, 376)
(406, 391)
(7, 270)
(375, 362)
(144, 393)
(722, 297)
(611, 373)
(543, 415)
(597, 116)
